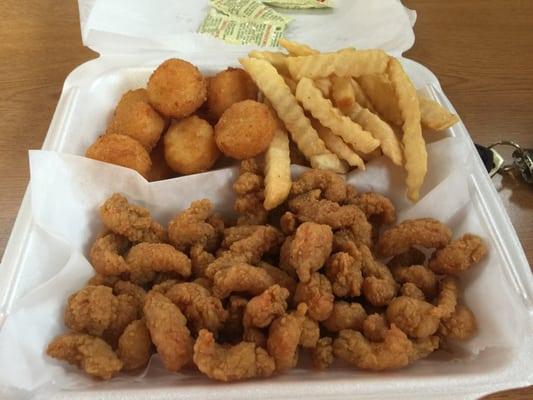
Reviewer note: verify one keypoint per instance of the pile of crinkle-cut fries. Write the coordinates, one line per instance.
(356, 104)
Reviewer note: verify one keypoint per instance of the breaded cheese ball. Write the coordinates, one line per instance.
(135, 117)
(190, 146)
(227, 88)
(245, 130)
(176, 88)
(121, 150)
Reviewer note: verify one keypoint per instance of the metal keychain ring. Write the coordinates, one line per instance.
(516, 146)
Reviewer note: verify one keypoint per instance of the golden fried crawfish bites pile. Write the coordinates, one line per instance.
(242, 300)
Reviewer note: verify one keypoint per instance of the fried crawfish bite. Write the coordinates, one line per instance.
(89, 353)
(230, 363)
(425, 232)
(135, 346)
(284, 337)
(310, 248)
(106, 254)
(458, 256)
(331, 185)
(201, 309)
(168, 331)
(145, 259)
(317, 294)
(131, 221)
(344, 272)
(190, 227)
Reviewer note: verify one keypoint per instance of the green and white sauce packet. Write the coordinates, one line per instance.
(300, 3)
(237, 30)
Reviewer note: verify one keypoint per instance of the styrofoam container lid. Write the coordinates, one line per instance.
(130, 26)
(46, 250)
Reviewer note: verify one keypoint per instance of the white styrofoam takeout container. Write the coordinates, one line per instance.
(128, 55)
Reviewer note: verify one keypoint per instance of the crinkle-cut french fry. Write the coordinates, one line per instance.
(380, 92)
(324, 85)
(277, 169)
(322, 109)
(414, 147)
(336, 145)
(434, 116)
(296, 49)
(360, 97)
(277, 59)
(283, 101)
(291, 83)
(342, 92)
(346, 62)
(329, 162)
(390, 145)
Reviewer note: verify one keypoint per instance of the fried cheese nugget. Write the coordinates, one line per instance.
(241, 278)
(415, 317)
(168, 331)
(310, 248)
(129, 220)
(461, 325)
(317, 294)
(202, 310)
(227, 88)
(344, 272)
(135, 117)
(135, 346)
(190, 226)
(145, 259)
(231, 363)
(332, 186)
(425, 232)
(89, 353)
(245, 130)
(190, 146)
(322, 355)
(459, 255)
(345, 316)
(106, 254)
(284, 336)
(262, 309)
(121, 150)
(176, 88)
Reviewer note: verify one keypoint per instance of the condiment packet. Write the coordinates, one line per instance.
(252, 10)
(294, 4)
(238, 30)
